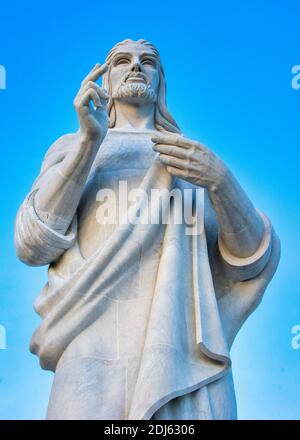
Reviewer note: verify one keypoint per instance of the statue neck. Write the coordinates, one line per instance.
(134, 116)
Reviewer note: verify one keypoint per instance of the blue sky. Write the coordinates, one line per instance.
(228, 68)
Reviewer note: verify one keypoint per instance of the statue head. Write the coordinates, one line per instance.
(135, 75)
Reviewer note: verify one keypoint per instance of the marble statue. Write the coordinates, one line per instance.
(138, 317)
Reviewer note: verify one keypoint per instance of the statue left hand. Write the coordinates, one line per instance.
(190, 160)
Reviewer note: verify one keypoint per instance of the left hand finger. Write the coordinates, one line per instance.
(173, 161)
(174, 140)
(171, 150)
(177, 172)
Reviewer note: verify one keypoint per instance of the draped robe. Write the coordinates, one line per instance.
(138, 319)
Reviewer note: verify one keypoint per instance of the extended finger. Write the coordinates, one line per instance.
(95, 73)
(171, 150)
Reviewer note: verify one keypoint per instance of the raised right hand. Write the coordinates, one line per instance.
(93, 119)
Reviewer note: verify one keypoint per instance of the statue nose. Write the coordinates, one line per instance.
(136, 67)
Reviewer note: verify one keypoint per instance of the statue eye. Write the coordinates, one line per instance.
(148, 62)
(122, 61)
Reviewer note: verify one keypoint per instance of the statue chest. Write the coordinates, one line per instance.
(118, 169)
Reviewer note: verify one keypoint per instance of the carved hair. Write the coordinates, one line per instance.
(162, 119)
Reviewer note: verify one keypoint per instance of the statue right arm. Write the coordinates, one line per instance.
(57, 198)
(46, 221)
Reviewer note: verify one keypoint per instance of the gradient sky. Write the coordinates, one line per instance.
(228, 68)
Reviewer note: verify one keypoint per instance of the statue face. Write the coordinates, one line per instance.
(134, 74)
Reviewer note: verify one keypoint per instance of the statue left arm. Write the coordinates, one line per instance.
(241, 226)
(242, 230)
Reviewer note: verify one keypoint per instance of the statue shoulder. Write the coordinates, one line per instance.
(55, 155)
(58, 150)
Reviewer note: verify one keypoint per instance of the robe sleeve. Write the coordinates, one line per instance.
(36, 243)
(242, 269)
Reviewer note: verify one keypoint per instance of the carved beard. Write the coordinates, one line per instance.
(138, 92)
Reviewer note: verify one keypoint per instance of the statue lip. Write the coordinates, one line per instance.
(136, 78)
